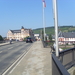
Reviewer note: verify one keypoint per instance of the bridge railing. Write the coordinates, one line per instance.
(2, 41)
(67, 57)
(61, 64)
(47, 43)
(57, 67)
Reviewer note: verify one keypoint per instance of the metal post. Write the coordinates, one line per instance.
(56, 25)
(44, 20)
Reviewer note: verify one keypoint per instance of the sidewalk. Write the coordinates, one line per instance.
(36, 62)
(2, 44)
(6, 43)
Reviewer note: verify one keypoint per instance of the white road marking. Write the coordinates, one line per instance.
(10, 48)
(0, 51)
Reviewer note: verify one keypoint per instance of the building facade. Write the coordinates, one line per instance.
(66, 37)
(19, 34)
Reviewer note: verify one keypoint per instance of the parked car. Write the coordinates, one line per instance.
(29, 40)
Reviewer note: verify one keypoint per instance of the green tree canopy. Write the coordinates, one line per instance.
(1, 38)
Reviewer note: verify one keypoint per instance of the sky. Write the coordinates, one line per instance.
(29, 13)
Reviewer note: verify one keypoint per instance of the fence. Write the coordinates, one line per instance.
(2, 41)
(64, 62)
(67, 57)
(47, 43)
(57, 67)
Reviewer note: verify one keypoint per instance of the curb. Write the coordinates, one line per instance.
(5, 44)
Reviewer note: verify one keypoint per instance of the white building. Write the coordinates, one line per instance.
(19, 34)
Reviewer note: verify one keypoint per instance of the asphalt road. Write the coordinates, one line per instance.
(10, 53)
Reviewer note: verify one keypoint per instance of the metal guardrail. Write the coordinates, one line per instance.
(64, 62)
(57, 67)
(67, 57)
(2, 41)
(47, 43)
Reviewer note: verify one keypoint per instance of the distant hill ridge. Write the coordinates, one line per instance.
(51, 31)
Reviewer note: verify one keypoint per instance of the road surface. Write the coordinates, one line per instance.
(10, 53)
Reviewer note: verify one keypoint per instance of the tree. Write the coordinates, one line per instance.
(50, 37)
(1, 38)
(25, 38)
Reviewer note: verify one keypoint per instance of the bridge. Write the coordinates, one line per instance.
(39, 60)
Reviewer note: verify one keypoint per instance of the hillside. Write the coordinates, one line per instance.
(50, 30)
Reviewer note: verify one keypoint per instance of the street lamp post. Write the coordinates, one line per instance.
(56, 25)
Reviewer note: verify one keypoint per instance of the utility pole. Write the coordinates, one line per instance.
(56, 25)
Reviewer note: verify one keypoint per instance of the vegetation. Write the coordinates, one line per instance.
(25, 38)
(65, 47)
(51, 30)
(50, 37)
(1, 38)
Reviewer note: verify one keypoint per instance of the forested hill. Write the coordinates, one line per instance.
(50, 30)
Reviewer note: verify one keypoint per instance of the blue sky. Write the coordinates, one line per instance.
(28, 13)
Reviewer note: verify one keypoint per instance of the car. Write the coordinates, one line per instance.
(29, 40)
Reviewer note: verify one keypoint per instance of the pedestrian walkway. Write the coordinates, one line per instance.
(36, 62)
(6, 43)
